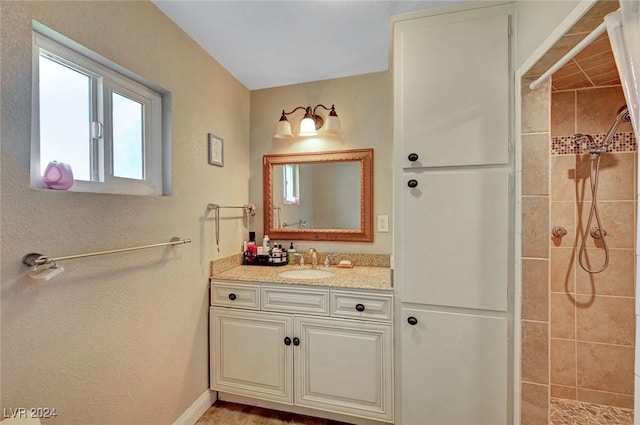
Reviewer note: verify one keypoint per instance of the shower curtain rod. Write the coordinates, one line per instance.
(570, 55)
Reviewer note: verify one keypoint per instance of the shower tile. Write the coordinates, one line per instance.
(597, 110)
(534, 409)
(536, 108)
(593, 17)
(535, 226)
(535, 352)
(535, 164)
(618, 279)
(575, 81)
(605, 367)
(563, 322)
(563, 113)
(563, 178)
(563, 214)
(560, 391)
(618, 219)
(616, 177)
(605, 398)
(563, 362)
(563, 269)
(608, 320)
(535, 290)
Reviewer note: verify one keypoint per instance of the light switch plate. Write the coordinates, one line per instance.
(383, 223)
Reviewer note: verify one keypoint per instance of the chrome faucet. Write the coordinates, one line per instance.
(314, 258)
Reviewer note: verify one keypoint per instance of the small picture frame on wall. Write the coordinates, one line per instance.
(216, 150)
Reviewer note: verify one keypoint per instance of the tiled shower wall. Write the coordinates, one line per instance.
(577, 329)
(592, 315)
(536, 139)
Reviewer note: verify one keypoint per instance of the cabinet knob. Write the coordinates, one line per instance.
(413, 157)
(412, 183)
(287, 341)
(296, 341)
(360, 307)
(232, 296)
(412, 321)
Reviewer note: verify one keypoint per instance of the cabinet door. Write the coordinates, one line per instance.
(456, 252)
(344, 366)
(454, 369)
(452, 88)
(249, 356)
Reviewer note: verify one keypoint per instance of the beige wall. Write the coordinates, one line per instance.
(364, 104)
(118, 339)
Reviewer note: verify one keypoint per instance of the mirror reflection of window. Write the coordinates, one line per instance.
(291, 184)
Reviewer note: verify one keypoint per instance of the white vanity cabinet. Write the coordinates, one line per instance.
(316, 348)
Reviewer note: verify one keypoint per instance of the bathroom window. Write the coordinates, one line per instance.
(101, 119)
(291, 184)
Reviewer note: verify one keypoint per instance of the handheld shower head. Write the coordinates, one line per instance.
(621, 116)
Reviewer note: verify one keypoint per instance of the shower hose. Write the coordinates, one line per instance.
(593, 212)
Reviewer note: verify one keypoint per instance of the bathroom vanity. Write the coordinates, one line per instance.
(321, 347)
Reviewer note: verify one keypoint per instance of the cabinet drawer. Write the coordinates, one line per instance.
(232, 295)
(361, 305)
(310, 301)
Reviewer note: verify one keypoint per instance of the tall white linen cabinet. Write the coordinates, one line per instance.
(453, 215)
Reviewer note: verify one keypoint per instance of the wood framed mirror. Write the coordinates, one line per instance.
(322, 196)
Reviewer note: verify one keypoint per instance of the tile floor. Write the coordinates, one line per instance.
(563, 412)
(225, 413)
(571, 412)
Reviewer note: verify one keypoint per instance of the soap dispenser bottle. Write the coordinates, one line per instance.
(291, 254)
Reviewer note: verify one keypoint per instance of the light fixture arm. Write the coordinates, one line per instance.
(284, 114)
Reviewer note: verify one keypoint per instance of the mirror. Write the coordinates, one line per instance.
(324, 196)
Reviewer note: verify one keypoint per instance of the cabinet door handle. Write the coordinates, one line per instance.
(412, 321)
(232, 296)
(413, 157)
(360, 307)
(412, 183)
(287, 341)
(296, 341)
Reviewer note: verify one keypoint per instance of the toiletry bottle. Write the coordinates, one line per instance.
(275, 253)
(265, 243)
(292, 254)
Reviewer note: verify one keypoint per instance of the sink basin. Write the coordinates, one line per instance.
(306, 274)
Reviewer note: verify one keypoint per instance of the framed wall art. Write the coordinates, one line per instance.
(216, 150)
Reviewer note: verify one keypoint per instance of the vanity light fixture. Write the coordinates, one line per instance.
(311, 122)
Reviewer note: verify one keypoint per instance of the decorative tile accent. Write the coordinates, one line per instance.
(622, 142)
(570, 412)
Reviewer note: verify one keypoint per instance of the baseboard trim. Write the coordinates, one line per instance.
(197, 409)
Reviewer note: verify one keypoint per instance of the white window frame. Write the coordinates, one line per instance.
(107, 78)
(291, 184)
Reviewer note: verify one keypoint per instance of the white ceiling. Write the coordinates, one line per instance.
(273, 43)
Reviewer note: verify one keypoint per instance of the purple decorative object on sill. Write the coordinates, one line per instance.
(58, 176)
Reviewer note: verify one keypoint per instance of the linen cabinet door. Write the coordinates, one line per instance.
(452, 88)
(457, 250)
(249, 354)
(454, 369)
(344, 366)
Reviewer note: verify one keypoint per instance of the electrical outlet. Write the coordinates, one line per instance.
(383, 223)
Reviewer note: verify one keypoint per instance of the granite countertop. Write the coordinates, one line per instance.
(358, 277)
